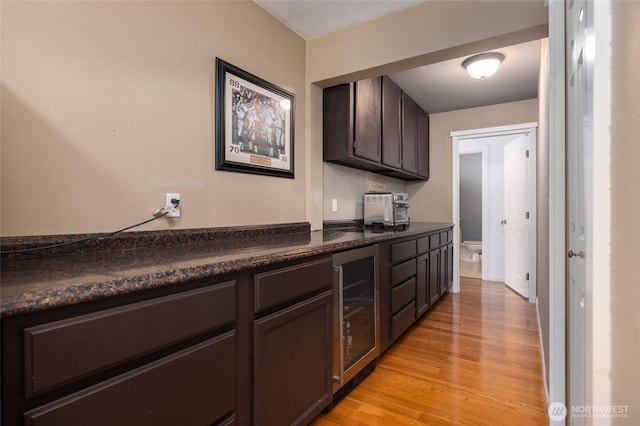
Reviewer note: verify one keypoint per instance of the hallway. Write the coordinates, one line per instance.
(474, 359)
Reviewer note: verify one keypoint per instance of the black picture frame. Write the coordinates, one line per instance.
(254, 129)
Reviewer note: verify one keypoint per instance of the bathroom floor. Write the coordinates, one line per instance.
(470, 269)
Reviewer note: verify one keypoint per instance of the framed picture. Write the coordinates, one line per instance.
(254, 124)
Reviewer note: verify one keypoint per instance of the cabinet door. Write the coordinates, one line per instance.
(422, 289)
(443, 281)
(391, 134)
(423, 143)
(434, 268)
(366, 142)
(292, 362)
(409, 135)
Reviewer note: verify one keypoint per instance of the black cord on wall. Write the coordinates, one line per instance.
(160, 213)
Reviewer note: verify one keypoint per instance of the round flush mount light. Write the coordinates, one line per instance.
(483, 65)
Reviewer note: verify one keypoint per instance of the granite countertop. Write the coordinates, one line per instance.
(40, 283)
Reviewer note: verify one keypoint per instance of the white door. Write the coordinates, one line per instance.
(576, 85)
(516, 214)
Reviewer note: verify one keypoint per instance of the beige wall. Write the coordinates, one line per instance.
(106, 106)
(429, 32)
(431, 200)
(347, 186)
(625, 204)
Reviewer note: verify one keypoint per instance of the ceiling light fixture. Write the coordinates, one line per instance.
(483, 65)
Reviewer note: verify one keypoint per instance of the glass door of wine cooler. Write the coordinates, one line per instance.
(356, 339)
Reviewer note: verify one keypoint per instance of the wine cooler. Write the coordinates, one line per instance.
(356, 314)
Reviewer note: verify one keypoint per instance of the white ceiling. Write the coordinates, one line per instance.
(446, 86)
(438, 87)
(313, 18)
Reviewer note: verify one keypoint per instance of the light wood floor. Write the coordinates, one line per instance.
(474, 359)
(470, 269)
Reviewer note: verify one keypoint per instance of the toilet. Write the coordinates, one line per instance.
(471, 250)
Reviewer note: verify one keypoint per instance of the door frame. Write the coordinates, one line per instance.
(462, 140)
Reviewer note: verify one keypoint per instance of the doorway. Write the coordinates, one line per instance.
(473, 185)
(491, 143)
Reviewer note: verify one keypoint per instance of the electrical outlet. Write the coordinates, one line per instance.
(334, 205)
(169, 204)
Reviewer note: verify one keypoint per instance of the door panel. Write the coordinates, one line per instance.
(391, 132)
(409, 134)
(367, 119)
(576, 208)
(516, 208)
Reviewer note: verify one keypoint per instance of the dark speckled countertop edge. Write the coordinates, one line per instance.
(165, 274)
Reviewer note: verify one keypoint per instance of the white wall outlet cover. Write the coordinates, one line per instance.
(334, 205)
(175, 212)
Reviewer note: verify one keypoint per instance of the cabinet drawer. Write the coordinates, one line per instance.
(194, 386)
(403, 294)
(443, 238)
(401, 321)
(284, 285)
(423, 245)
(434, 241)
(66, 350)
(403, 272)
(403, 251)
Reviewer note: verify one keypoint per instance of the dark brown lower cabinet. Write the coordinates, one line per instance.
(414, 272)
(155, 359)
(195, 386)
(434, 276)
(443, 280)
(292, 362)
(422, 284)
(185, 357)
(402, 320)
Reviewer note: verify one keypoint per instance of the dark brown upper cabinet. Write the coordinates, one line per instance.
(372, 125)
(351, 122)
(423, 143)
(391, 119)
(409, 135)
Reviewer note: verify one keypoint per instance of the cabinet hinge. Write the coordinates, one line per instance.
(527, 154)
(526, 215)
(527, 276)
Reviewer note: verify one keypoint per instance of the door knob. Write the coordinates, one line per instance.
(572, 253)
(503, 221)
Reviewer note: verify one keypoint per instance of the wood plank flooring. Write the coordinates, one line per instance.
(474, 359)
